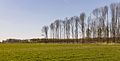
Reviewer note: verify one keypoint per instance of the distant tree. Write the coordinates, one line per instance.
(52, 27)
(93, 28)
(64, 28)
(72, 26)
(104, 12)
(118, 14)
(60, 29)
(118, 20)
(76, 26)
(45, 31)
(114, 20)
(67, 28)
(96, 23)
(88, 30)
(82, 23)
(107, 24)
(57, 27)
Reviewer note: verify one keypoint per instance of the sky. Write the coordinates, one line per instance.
(23, 19)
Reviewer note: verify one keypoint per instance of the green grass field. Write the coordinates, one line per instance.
(59, 52)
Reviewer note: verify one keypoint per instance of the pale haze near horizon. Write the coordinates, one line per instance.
(23, 19)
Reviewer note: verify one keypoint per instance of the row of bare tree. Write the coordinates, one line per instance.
(103, 22)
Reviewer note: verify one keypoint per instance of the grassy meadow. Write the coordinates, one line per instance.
(59, 52)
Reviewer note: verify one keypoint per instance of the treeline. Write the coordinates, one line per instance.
(86, 40)
(102, 25)
(103, 22)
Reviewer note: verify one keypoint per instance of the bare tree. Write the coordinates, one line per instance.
(72, 26)
(60, 29)
(118, 14)
(67, 28)
(64, 28)
(107, 23)
(104, 16)
(88, 30)
(76, 26)
(114, 20)
(96, 23)
(118, 19)
(45, 31)
(57, 27)
(82, 23)
(52, 27)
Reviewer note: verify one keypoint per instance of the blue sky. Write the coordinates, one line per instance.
(24, 18)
